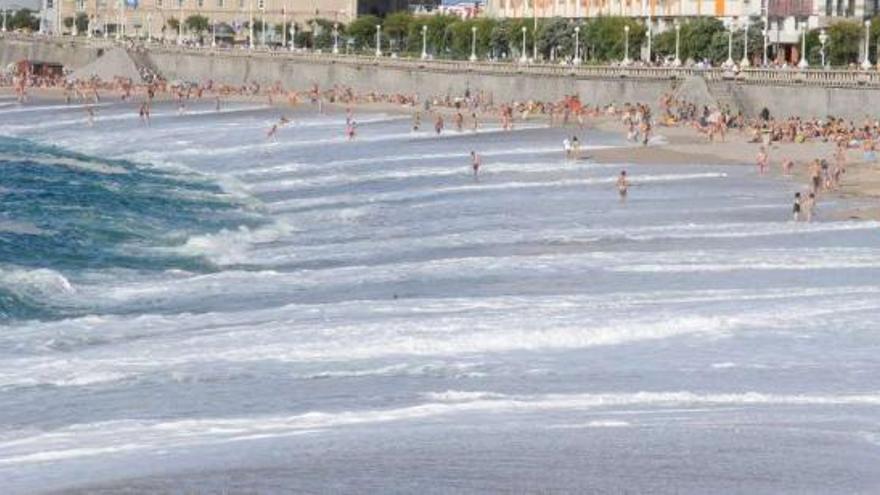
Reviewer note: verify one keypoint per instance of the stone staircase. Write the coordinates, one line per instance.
(724, 93)
(145, 66)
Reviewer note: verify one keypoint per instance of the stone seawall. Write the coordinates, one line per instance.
(371, 77)
(781, 98)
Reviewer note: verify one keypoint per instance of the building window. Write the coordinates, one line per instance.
(180, 4)
(241, 4)
(201, 3)
(220, 4)
(261, 4)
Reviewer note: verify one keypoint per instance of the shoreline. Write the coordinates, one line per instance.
(682, 145)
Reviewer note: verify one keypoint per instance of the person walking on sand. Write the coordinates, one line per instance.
(476, 162)
(622, 184)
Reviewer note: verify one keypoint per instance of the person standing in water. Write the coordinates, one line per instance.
(438, 125)
(761, 160)
(809, 207)
(475, 164)
(796, 207)
(622, 184)
(417, 121)
(575, 148)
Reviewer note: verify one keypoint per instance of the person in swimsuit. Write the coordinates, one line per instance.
(809, 206)
(622, 184)
(475, 164)
(762, 160)
(796, 207)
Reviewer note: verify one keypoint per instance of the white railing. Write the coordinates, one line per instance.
(790, 76)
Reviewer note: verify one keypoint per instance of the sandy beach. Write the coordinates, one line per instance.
(677, 145)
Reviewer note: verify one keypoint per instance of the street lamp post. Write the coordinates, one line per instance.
(524, 58)
(803, 64)
(149, 28)
(118, 20)
(729, 62)
(866, 64)
(577, 45)
(677, 61)
(650, 43)
(180, 23)
(823, 40)
(4, 20)
(89, 27)
(626, 59)
(473, 43)
(378, 40)
(293, 36)
(214, 33)
(283, 27)
(745, 61)
(424, 42)
(104, 26)
(251, 24)
(765, 34)
(263, 25)
(335, 39)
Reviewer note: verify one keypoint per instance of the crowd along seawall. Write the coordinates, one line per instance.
(814, 93)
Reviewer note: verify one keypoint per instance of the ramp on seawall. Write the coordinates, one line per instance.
(509, 84)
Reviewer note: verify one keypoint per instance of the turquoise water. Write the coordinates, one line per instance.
(70, 212)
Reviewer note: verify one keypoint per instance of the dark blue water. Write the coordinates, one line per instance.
(67, 212)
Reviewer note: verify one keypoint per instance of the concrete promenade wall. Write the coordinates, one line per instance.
(782, 98)
(368, 77)
(69, 54)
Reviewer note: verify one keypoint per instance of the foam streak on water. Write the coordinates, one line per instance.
(316, 314)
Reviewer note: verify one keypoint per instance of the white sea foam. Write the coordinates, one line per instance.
(97, 439)
(37, 284)
(414, 194)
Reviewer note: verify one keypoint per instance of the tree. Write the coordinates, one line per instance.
(397, 27)
(875, 35)
(82, 22)
(438, 34)
(362, 31)
(604, 38)
(499, 40)
(515, 36)
(556, 35)
(23, 19)
(322, 32)
(845, 39)
(173, 24)
(197, 24)
(699, 39)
